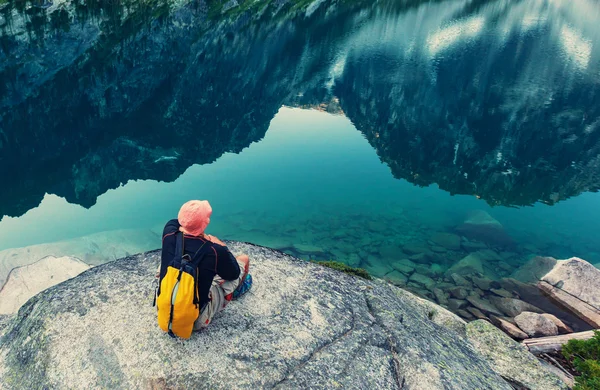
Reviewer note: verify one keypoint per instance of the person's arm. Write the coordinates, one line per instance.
(227, 266)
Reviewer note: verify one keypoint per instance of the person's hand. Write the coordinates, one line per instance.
(214, 239)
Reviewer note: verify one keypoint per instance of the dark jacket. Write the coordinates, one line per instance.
(216, 259)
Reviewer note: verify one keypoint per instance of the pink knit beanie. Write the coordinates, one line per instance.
(194, 217)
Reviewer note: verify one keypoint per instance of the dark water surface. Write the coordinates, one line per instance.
(349, 130)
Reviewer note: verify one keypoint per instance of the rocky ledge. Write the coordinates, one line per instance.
(301, 326)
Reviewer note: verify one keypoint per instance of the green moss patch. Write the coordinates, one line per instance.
(336, 265)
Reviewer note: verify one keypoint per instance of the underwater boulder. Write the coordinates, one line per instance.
(481, 226)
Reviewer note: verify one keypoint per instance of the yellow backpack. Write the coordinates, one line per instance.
(177, 298)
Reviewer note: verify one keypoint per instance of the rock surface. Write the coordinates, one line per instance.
(578, 278)
(25, 282)
(301, 326)
(536, 325)
(510, 359)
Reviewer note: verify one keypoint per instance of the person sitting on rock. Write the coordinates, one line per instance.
(220, 277)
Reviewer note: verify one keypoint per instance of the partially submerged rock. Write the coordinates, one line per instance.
(447, 240)
(468, 265)
(301, 326)
(510, 359)
(536, 325)
(578, 278)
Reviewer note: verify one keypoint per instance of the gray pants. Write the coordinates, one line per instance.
(220, 295)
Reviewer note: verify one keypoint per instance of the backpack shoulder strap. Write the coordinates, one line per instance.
(179, 245)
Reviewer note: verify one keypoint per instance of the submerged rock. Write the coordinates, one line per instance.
(405, 266)
(396, 278)
(512, 307)
(483, 304)
(447, 240)
(459, 292)
(481, 226)
(301, 326)
(536, 325)
(534, 269)
(511, 359)
(469, 265)
(423, 280)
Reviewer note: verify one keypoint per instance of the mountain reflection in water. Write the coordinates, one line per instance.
(487, 98)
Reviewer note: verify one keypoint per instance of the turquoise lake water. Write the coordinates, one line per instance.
(311, 168)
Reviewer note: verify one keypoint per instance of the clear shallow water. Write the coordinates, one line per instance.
(311, 168)
(331, 133)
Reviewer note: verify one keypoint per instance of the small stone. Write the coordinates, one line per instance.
(482, 283)
(455, 304)
(505, 266)
(440, 296)
(422, 258)
(425, 270)
(378, 268)
(562, 327)
(447, 240)
(483, 305)
(396, 278)
(460, 280)
(502, 292)
(426, 281)
(469, 265)
(510, 329)
(405, 266)
(413, 249)
(445, 286)
(465, 314)
(512, 307)
(459, 292)
(476, 313)
(390, 251)
(536, 325)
